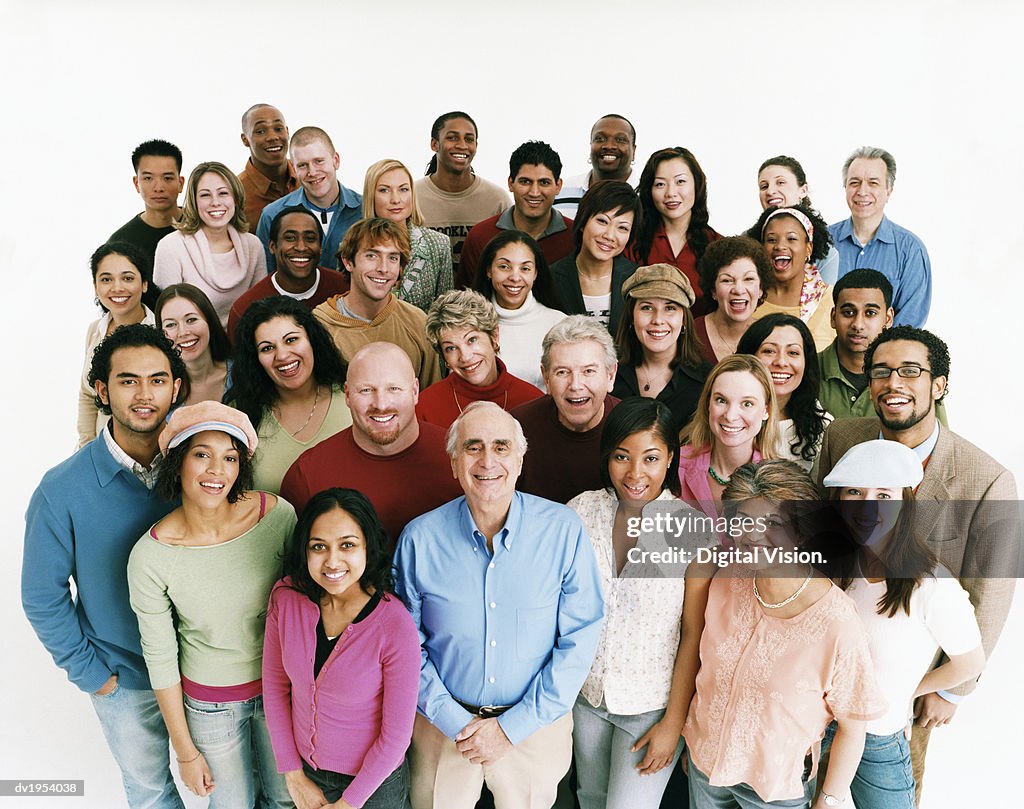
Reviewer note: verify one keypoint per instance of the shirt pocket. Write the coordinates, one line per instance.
(535, 631)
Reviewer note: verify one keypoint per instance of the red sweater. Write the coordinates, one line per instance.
(331, 283)
(685, 262)
(401, 487)
(559, 463)
(442, 402)
(558, 245)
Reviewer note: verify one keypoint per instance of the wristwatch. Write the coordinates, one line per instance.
(832, 800)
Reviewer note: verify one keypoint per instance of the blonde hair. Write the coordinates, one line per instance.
(189, 221)
(373, 175)
(460, 309)
(697, 434)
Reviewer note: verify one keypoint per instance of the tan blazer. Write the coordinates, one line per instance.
(968, 511)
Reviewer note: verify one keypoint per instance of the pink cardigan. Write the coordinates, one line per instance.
(356, 717)
(693, 476)
(187, 259)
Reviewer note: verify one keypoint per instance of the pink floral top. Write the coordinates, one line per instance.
(768, 687)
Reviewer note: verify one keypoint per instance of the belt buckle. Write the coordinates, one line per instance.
(490, 711)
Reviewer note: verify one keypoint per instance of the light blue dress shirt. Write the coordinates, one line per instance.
(900, 256)
(519, 627)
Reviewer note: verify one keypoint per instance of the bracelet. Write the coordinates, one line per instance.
(197, 755)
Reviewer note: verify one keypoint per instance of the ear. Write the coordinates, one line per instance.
(511, 183)
(177, 390)
(181, 183)
(337, 161)
(416, 391)
(938, 387)
(455, 473)
(558, 187)
(145, 287)
(349, 266)
(245, 141)
(101, 390)
(135, 182)
(832, 318)
(435, 145)
(889, 315)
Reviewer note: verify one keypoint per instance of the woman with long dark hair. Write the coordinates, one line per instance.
(674, 230)
(187, 318)
(785, 345)
(289, 381)
(341, 661)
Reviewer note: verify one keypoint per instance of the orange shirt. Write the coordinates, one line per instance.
(260, 191)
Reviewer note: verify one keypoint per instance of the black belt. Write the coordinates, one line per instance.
(484, 711)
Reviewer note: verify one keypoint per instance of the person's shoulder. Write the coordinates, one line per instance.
(128, 229)
(853, 430)
(433, 521)
(531, 411)
(483, 227)
(486, 187)
(588, 501)
(271, 209)
(565, 266)
(431, 436)
(331, 447)
(74, 473)
(902, 234)
(410, 312)
(969, 457)
(552, 514)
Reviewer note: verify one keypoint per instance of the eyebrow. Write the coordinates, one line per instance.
(133, 375)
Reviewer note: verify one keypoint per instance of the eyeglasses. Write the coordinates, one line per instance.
(905, 371)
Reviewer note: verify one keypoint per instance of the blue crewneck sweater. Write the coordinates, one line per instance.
(82, 523)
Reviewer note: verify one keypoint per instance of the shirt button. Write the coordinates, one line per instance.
(491, 680)
(494, 643)
(491, 564)
(493, 605)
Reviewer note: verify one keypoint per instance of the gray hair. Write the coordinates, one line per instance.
(872, 153)
(452, 439)
(577, 329)
(460, 309)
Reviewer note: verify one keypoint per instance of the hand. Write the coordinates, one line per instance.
(932, 711)
(196, 776)
(341, 803)
(661, 742)
(303, 791)
(108, 686)
(482, 741)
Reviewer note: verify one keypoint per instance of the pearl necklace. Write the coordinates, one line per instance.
(784, 602)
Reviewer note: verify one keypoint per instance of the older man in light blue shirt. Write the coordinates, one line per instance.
(869, 240)
(505, 591)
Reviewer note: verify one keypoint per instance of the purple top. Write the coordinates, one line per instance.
(356, 716)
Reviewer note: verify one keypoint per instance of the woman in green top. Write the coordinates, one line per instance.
(199, 581)
(289, 380)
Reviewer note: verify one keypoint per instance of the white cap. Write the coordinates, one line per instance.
(877, 464)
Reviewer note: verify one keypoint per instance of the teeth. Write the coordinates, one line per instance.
(728, 429)
(382, 419)
(658, 334)
(274, 148)
(300, 260)
(896, 400)
(119, 298)
(583, 400)
(335, 576)
(487, 477)
(216, 487)
(289, 367)
(781, 377)
(188, 343)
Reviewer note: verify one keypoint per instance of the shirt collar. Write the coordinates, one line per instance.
(347, 199)
(147, 475)
(830, 363)
(299, 296)
(924, 450)
(508, 532)
(556, 225)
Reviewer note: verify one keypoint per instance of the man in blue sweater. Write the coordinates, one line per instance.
(82, 522)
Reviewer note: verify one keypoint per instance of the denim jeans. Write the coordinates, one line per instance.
(137, 737)
(737, 796)
(885, 778)
(235, 742)
(392, 794)
(605, 764)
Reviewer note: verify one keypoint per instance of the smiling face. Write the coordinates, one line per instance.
(381, 391)
(470, 354)
(487, 462)
(870, 514)
(158, 182)
(638, 466)
(296, 251)
(606, 234)
(336, 552)
(139, 390)
(375, 271)
(512, 274)
(578, 379)
(119, 287)
(788, 247)
(674, 189)
(657, 323)
(316, 166)
(782, 352)
(184, 325)
(214, 201)
(534, 189)
(392, 196)
(284, 351)
(738, 290)
(267, 137)
(903, 403)
(867, 188)
(611, 149)
(777, 186)
(737, 408)
(209, 469)
(455, 146)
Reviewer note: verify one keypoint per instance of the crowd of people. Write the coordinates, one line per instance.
(352, 518)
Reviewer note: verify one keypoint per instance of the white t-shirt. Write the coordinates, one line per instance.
(599, 306)
(904, 646)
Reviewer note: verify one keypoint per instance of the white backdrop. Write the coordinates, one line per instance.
(83, 83)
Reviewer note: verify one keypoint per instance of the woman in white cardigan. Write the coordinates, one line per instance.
(212, 248)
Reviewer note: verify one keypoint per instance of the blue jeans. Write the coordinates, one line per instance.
(234, 740)
(137, 737)
(885, 778)
(741, 796)
(392, 794)
(605, 764)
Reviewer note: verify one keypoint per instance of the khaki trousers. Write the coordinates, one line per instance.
(524, 778)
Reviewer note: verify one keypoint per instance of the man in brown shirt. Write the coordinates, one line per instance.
(268, 175)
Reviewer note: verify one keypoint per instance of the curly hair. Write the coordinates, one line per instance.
(460, 309)
(168, 479)
(136, 335)
(252, 391)
(938, 351)
(139, 260)
(377, 576)
(820, 240)
(807, 414)
(697, 232)
(543, 284)
(724, 252)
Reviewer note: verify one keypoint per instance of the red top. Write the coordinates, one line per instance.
(443, 401)
(685, 262)
(331, 283)
(416, 480)
(554, 246)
